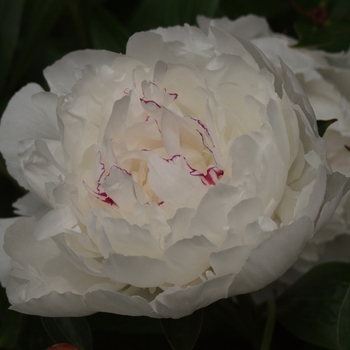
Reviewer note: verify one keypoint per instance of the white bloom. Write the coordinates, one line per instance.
(186, 171)
(325, 78)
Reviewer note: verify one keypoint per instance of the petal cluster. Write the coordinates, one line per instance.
(325, 80)
(188, 170)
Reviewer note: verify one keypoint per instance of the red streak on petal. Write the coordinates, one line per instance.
(107, 199)
(151, 102)
(205, 144)
(174, 94)
(204, 127)
(102, 196)
(213, 175)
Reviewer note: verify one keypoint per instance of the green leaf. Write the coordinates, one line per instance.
(70, 330)
(333, 37)
(266, 8)
(106, 32)
(183, 333)
(316, 308)
(41, 17)
(10, 329)
(11, 15)
(311, 36)
(158, 13)
(322, 125)
(341, 10)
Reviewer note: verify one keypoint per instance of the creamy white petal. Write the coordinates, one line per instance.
(270, 259)
(5, 265)
(28, 116)
(177, 302)
(138, 271)
(110, 301)
(39, 268)
(54, 222)
(65, 73)
(30, 205)
(55, 304)
(188, 259)
(211, 216)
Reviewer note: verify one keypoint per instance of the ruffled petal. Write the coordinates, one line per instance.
(30, 115)
(177, 302)
(138, 271)
(5, 260)
(271, 258)
(65, 73)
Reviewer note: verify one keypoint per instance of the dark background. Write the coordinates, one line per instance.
(35, 33)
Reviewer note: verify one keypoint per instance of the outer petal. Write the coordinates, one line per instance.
(337, 186)
(211, 216)
(177, 302)
(5, 265)
(138, 271)
(249, 27)
(30, 115)
(30, 205)
(65, 73)
(271, 258)
(103, 300)
(188, 259)
(42, 278)
(55, 305)
(54, 222)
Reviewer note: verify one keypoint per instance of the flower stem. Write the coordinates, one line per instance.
(270, 325)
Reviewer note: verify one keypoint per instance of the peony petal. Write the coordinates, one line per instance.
(179, 224)
(119, 186)
(211, 216)
(54, 222)
(177, 302)
(39, 268)
(129, 239)
(5, 265)
(229, 261)
(271, 258)
(171, 179)
(337, 186)
(243, 214)
(146, 47)
(55, 305)
(118, 303)
(30, 115)
(249, 26)
(312, 195)
(170, 134)
(39, 167)
(30, 205)
(87, 264)
(65, 73)
(139, 271)
(194, 253)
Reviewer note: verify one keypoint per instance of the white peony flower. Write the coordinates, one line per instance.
(325, 78)
(188, 170)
